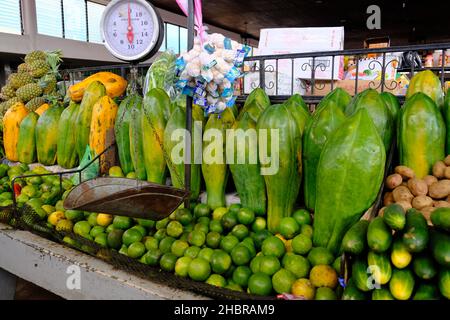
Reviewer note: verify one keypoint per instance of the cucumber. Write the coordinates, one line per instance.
(379, 236)
(427, 291)
(360, 275)
(401, 284)
(394, 216)
(416, 231)
(424, 267)
(351, 292)
(444, 282)
(354, 241)
(441, 218)
(400, 256)
(381, 266)
(440, 247)
(382, 294)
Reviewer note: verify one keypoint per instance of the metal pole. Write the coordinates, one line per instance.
(188, 151)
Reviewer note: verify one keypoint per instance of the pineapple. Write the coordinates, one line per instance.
(29, 91)
(48, 83)
(35, 55)
(22, 68)
(17, 80)
(38, 68)
(8, 91)
(8, 104)
(35, 103)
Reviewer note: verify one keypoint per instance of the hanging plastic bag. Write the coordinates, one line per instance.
(161, 74)
(90, 172)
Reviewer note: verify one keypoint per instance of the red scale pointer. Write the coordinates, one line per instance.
(130, 33)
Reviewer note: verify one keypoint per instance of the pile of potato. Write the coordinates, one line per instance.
(425, 195)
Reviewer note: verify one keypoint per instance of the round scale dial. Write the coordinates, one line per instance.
(132, 29)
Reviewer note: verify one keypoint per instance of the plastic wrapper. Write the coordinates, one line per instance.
(162, 74)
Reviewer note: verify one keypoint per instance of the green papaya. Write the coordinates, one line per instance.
(26, 143)
(421, 134)
(136, 140)
(214, 164)
(246, 174)
(327, 118)
(256, 102)
(446, 113)
(427, 83)
(339, 96)
(299, 110)
(392, 103)
(92, 94)
(349, 175)
(370, 100)
(122, 132)
(47, 135)
(281, 168)
(174, 145)
(156, 103)
(67, 155)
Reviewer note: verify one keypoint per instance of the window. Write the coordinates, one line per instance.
(173, 38)
(10, 16)
(183, 39)
(75, 19)
(49, 17)
(95, 12)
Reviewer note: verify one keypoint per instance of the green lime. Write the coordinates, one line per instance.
(82, 228)
(302, 217)
(109, 228)
(216, 226)
(269, 265)
(115, 238)
(146, 223)
(73, 215)
(235, 207)
(307, 230)
(196, 238)
(167, 261)
(123, 250)
(199, 269)
(229, 220)
(121, 222)
(165, 245)
(216, 280)
(59, 206)
(320, 255)
(185, 236)
(228, 243)
(31, 191)
(260, 236)
(259, 224)
(241, 255)
(273, 246)
(325, 293)
(152, 257)
(241, 275)
(250, 244)
(116, 171)
(296, 264)
(130, 236)
(282, 281)
(234, 287)
(204, 220)
(131, 175)
(188, 228)
(260, 284)
(219, 213)
(202, 210)
(136, 250)
(301, 244)
(182, 266)
(245, 216)
(220, 261)
(162, 224)
(179, 247)
(141, 230)
(255, 264)
(71, 242)
(174, 229)
(337, 264)
(96, 230)
(213, 239)
(201, 227)
(151, 243)
(240, 231)
(206, 253)
(192, 252)
(160, 234)
(288, 227)
(102, 239)
(184, 216)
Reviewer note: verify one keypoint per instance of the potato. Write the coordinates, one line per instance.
(422, 201)
(381, 212)
(447, 160)
(418, 187)
(439, 190)
(388, 199)
(404, 184)
(393, 181)
(406, 205)
(439, 169)
(402, 193)
(405, 172)
(429, 180)
(427, 213)
(447, 173)
(448, 199)
(441, 204)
